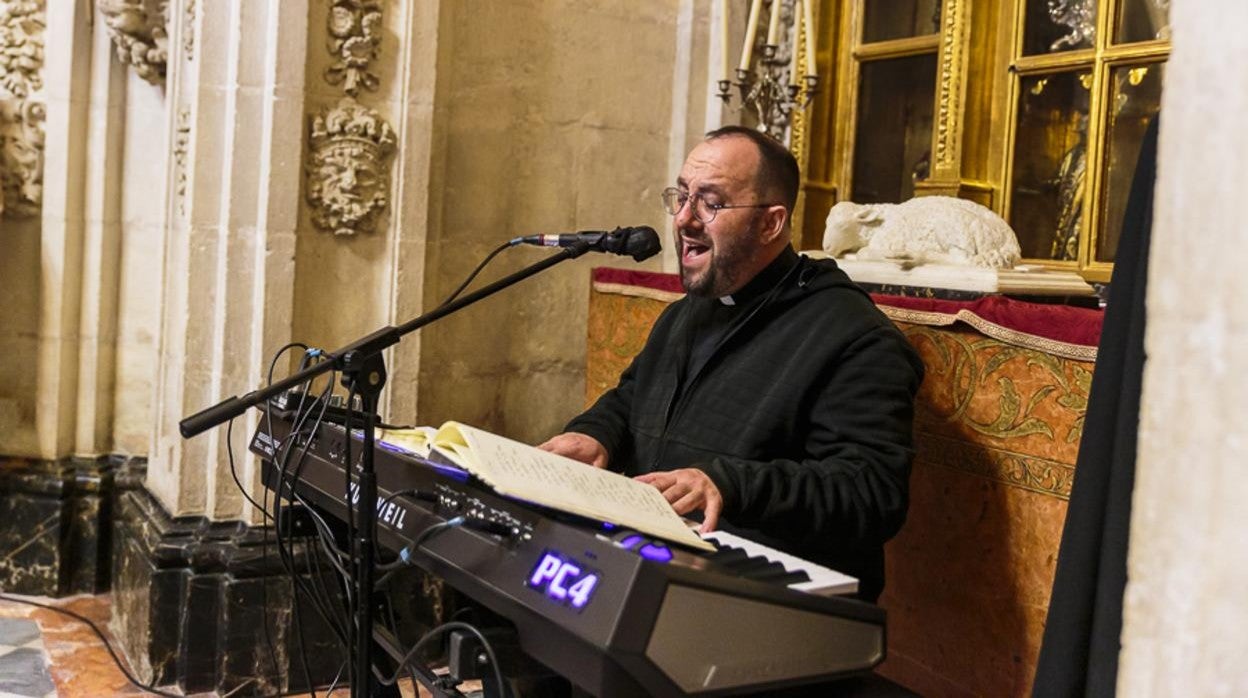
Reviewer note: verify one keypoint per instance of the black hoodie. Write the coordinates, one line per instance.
(799, 406)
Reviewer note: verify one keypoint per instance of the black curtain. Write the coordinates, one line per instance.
(1079, 654)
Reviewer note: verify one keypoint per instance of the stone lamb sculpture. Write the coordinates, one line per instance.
(923, 230)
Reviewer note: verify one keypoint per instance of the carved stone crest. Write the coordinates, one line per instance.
(137, 28)
(21, 46)
(348, 180)
(21, 157)
(22, 113)
(354, 38)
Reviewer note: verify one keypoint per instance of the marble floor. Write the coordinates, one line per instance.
(44, 653)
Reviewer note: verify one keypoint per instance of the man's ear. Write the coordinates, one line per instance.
(775, 218)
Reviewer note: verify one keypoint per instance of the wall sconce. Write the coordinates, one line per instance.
(771, 86)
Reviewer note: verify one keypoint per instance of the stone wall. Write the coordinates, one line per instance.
(1187, 563)
(587, 93)
(179, 245)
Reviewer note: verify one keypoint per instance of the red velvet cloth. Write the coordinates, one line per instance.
(1062, 323)
(652, 280)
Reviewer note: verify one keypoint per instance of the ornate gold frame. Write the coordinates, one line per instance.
(1101, 59)
(973, 136)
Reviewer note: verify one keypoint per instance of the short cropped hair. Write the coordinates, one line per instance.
(777, 171)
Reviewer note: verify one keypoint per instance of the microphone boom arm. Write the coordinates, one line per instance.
(362, 365)
(369, 344)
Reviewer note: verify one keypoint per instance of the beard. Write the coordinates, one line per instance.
(726, 260)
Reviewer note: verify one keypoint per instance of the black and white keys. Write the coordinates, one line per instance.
(756, 561)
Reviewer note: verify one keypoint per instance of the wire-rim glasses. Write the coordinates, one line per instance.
(675, 199)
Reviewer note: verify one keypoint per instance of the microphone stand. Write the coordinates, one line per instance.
(363, 368)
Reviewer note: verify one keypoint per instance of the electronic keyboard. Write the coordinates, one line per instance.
(617, 612)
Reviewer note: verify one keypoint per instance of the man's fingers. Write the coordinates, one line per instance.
(669, 485)
(676, 491)
(687, 503)
(661, 480)
(687, 490)
(710, 516)
(580, 447)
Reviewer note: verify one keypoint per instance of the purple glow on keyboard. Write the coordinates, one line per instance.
(656, 552)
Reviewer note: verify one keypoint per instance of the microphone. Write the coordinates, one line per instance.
(640, 242)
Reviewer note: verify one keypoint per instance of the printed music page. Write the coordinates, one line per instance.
(525, 472)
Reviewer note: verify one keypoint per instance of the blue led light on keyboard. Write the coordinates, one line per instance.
(656, 552)
(631, 542)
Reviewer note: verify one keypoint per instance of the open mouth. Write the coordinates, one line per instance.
(692, 251)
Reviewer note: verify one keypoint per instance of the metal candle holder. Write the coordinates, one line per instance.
(768, 94)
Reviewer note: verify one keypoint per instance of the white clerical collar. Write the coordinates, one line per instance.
(727, 300)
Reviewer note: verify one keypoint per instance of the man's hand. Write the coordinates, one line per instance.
(576, 446)
(688, 489)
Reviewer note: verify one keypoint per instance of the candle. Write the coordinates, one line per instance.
(723, 39)
(751, 28)
(794, 70)
(773, 26)
(809, 19)
(795, 78)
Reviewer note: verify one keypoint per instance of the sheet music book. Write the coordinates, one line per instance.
(414, 440)
(525, 472)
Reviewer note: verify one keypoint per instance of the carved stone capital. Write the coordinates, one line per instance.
(354, 40)
(22, 24)
(137, 28)
(348, 176)
(21, 157)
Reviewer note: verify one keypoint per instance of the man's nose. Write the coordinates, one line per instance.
(685, 217)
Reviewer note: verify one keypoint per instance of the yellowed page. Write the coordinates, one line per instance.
(416, 440)
(522, 471)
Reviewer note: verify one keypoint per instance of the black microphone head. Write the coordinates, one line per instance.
(640, 242)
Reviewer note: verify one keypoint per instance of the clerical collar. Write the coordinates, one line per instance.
(764, 280)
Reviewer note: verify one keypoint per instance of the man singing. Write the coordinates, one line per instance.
(774, 400)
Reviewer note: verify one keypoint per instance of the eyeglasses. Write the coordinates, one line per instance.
(674, 200)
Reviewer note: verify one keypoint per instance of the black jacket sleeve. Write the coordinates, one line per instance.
(607, 420)
(850, 488)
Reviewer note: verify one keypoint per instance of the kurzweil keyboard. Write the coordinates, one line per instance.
(616, 612)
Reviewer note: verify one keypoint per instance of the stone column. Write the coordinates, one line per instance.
(23, 107)
(236, 107)
(195, 582)
(1183, 630)
(60, 126)
(101, 170)
(67, 81)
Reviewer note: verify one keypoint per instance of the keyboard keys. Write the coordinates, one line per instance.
(745, 558)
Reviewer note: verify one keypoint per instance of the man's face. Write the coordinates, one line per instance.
(719, 257)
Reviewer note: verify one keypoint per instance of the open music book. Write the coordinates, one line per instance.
(417, 440)
(529, 473)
